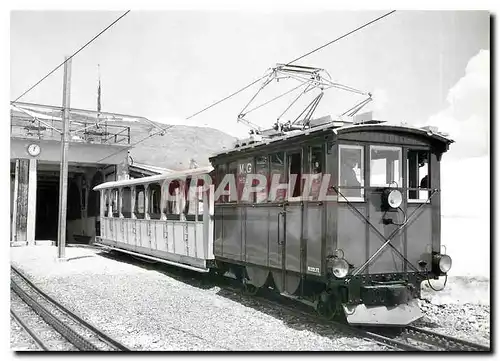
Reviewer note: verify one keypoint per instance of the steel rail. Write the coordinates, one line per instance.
(67, 332)
(26, 328)
(378, 338)
(82, 343)
(352, 330)
(355, 331)
(449, 343)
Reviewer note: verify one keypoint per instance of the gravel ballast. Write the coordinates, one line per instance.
(147, 309)
(20, 340)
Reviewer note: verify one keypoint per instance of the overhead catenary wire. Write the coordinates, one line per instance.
(138, 142)
(229, 96)
(225, 98)
(259, 79)
(162, 130)
(296, 59)
(341, 37)
(75, 53)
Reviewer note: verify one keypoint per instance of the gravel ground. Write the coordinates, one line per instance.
(461, 310)
(146, 309)
(20, 340)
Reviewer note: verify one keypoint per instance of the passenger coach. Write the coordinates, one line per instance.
(155, 217)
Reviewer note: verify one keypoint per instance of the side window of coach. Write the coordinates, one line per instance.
(418, 174)
(351, 176)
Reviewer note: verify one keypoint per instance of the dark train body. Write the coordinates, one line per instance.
(343, 217)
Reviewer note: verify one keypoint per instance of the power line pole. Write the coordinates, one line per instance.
(63, 177)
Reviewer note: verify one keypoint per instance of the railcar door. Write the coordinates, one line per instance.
(386, 170)
(289, 224)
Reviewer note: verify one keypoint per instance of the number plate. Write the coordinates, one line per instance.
(313, 269)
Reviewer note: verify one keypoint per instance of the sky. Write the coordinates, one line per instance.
(167, 65)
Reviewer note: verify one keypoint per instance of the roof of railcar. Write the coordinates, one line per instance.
(339, 130)
(155, 178)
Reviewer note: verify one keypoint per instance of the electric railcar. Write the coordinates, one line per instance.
(343, 217)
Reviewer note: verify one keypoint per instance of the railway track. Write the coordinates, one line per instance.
(440, 341)
(50, 324)
(21, 321)
(296, 307)
(408, 338)
(399, 339)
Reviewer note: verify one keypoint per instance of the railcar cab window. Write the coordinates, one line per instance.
(261, 168)
(277, 175)
(294, 174)
(316, 170)
(418, 181)
(245, 170)
(351, 178)
(220, 173)
(233, 191)
(385, 166)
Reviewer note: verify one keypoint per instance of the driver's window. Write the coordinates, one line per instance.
(385, 166)
(418, 181)
(351, 178)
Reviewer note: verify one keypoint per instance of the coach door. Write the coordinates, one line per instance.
(290, 228)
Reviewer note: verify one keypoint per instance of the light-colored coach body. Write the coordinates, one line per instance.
(185, 241)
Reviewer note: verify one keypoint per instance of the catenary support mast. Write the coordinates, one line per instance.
(63, 177)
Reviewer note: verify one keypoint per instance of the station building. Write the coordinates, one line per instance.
(98, 152)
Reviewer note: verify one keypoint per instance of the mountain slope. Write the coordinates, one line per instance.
(177, 146)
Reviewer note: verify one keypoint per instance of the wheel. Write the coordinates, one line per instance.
(249, 289)
(326, 310)
(292, 282)
(216, 274)
(326, 306)
(257, 276)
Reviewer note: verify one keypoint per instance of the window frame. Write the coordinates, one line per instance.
(386, 147)
(298, 181)
(322, 160)
(267, 175)
(283, 175)
(137, 204)
(428, 189)
(240, 186)
(233, 193)
(362, 172)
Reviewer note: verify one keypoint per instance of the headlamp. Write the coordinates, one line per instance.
(340, 267)
(394, 198)
(443, 261)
